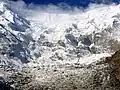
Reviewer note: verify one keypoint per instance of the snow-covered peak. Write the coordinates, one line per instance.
(2, 6)
(90, 34)
(14, 37)
(52, 38)
(102, 17)
(5, 12)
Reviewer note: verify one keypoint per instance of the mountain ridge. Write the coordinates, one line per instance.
(48, 45)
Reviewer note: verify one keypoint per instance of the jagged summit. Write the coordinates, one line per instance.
(13, 36)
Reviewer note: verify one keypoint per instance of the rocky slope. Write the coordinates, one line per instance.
(101, 75)
(114, 62)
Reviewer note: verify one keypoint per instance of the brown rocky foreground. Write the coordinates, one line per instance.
(102, 75)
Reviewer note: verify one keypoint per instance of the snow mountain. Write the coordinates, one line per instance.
(14, 37)
(63, 38)
(59, 40)
(76, 37)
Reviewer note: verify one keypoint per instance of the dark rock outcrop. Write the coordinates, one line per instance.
(4, 85)
(114, 62)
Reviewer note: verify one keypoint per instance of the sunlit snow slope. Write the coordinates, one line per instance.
(51, 38)
(13, 38)
(76, 37)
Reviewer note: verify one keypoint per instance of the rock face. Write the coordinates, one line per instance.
(114, 61)
(4, 85)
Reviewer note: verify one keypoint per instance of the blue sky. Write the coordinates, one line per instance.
(69, 2)
(83, 3)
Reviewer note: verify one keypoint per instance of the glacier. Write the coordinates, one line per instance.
(45, 42)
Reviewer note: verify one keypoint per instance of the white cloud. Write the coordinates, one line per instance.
(48, 13)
